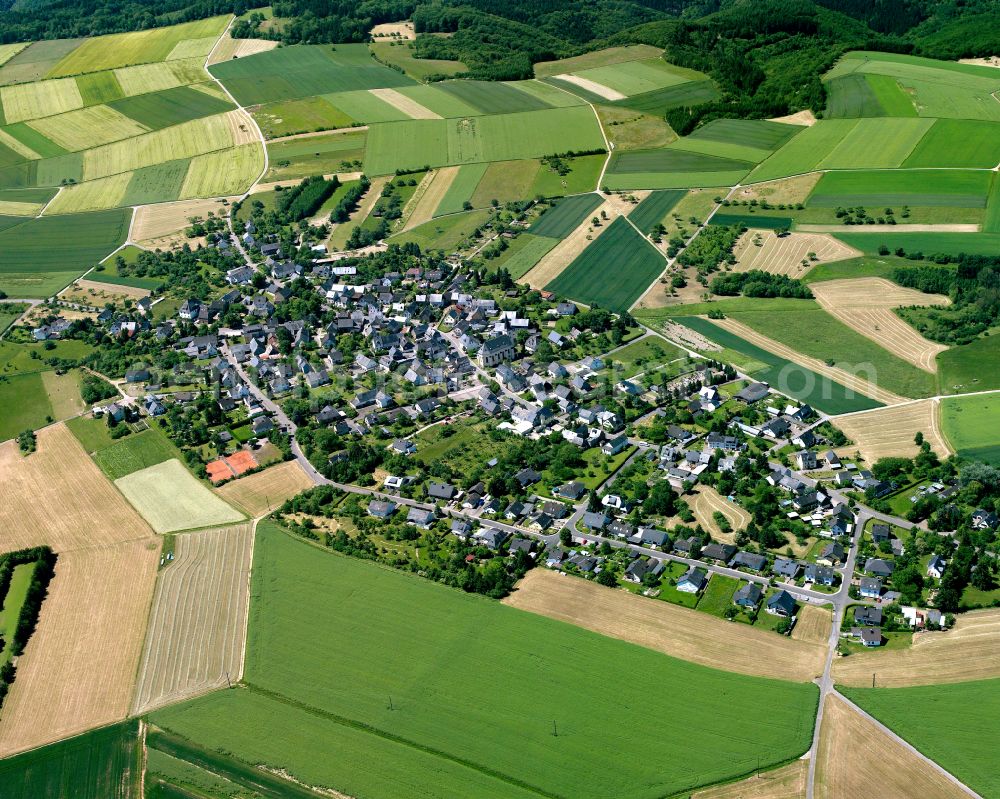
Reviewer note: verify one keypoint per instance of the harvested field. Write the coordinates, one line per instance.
(90, 292)
(79, 668)
(223, 172)
(592, 86)
(567, 250)
(88, 127)
(63, 391)
(163, 225)
(846, 379)
(394, 30)
(197, 625)
(865, 304)
(966, 652)
(784, 255)
(440, 182)
(229, 48)
(891, 771)
(787, 782)
(401, 102)
(806, 118)
(813, 625)
(260, 493)
(59, 497)
(171, 499)
(706, 501)
(677, 631)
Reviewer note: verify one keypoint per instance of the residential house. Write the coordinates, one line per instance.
(440, 491)
(820, 575)
(781, 604)
(693, 581)
(723, 553)
(832, 554)
(878, 567)
(749, 560)
(935, 567)
(420, 517)
(867, 616)
(381, 509)
(785, 568)
(639, 568)
(870, 587)
(748, 596)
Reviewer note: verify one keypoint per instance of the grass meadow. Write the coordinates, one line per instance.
(972, 426)
(620, 250)
(169, 497)
(295, 159)
(926, 243)
(954, 725)
(874, 189)
(132, 453)
(103, 764)
(477, 716)
(528, 251)
(461, 189)
(25, 402)
(654, 209)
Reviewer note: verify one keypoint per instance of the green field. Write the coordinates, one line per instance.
(104, 764)
(40, 256)
(169, 497)
(873, 143)
(492, 98)
(991, 224)
(170, 107)
(790, 378)
(672, 167)
(502, 137)
(764, 221)
(750, 132)
(867, 95)
(805, 151)
(447, 731)
(157, 183)
(584, 171)
(461, 189)
(926, 243)
(401, 55)
(927, 187)
(636, 265)
(294, 159)
(659, 101)
(654, 209)
(289, 73)
(26, 404)
(954, 725)
(99, 87)
(958, 143)
(444, 233)
(287, 117)
(530, 251)
(12, 603)
(566, 215)
(133, 453)
(434, 98)
(972, 426)
(505, 181)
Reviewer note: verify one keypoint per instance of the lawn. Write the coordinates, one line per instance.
(302, 70)
(103, 764)
(92, 433)
(130, 454)
(718, 595)
(40, 256)
(820, 392)
(955, 725)
(654, 209)
(411, 704)
(636, 262)
(460, 446)
(566, 215)
(972, 426)
(169, 497)
(645, 354)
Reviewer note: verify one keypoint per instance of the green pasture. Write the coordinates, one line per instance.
(362, 106)
(434, 98)
(647, 353)
(505, 181)
(302, 70)
(12, 604)
(103, 764)
(294, 159)
(400, 54)
(764, 221)
(26, 404)
(671, 160)
(501, 137)
(954, 725)
(895, 188)
(639, 77)
(991, 224)
(530, 249)
(156, 184)
(926, 243)
(876, 143)
(972, 426)
(654, 209)
(636, 264)
(958, 143)
(58, 170)
(40, 256)
(731, 150)
(566, 215)
(597, 58)
(92, 433)
(446, 731)
(99, 87)
(461, 189)
(489, 97)
(26, 358)
(790, 378)
(805, 151)
(30, 137)
(582, 177)
(867, 95)
(133, 453)
(660, 101)
(288, 117)
(756, 133)
(444, 233)
(170, 107)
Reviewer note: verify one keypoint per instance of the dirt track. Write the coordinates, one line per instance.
(196, 627)
(855, 758)
(966, 652)
(79, 668)
(677, 631)
(706, 501)
(865, 304)
(833, 373)
(889, 432)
